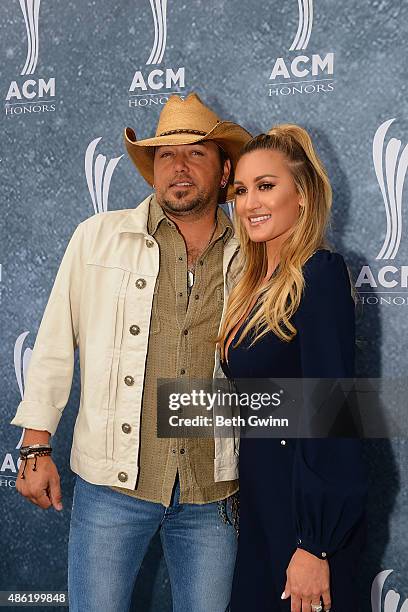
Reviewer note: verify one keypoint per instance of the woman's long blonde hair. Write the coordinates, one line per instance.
(279, 298)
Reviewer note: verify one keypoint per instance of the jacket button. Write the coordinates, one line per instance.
(126, 428)
(129, 380)
(134, 330)
(149, 243)
(140, 283)
(122, 476)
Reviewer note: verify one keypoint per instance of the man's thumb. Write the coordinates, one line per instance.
(55, 495)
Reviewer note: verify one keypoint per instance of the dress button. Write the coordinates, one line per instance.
(283, 442)
(324, 555)
(126, 428)
(122, 476)
(134, 330)
(149, 244)
(182, 451)
(129, 380)
(140, 283)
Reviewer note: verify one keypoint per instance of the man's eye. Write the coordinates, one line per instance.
(165, 154)
(195, 152)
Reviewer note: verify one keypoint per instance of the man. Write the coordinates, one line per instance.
(141, 293)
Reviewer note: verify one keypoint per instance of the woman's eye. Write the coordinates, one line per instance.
(239, 191)
(266, 186)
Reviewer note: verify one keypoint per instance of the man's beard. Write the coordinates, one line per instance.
(178, 205)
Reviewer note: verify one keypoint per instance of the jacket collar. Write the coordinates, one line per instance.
(136, 220)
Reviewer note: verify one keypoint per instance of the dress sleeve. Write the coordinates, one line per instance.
(329, 473)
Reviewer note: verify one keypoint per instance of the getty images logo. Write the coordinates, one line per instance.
(99, 175)
(9, 464)
(152, 87)
(390, 161)
(304, 74)
(382, 601)
(30, 95)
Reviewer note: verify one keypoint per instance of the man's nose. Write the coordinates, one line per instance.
(180, 163)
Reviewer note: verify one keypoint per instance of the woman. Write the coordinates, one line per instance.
(291, 315)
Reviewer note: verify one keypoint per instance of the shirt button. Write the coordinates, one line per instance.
(122, 476)
(201, 262)
(182, 371)
(180, 294)
(149, 244)
(185, 332)
(140, 283)
(180, 259)
(126, 428)
(134, 330)
(283, 442)
(173, 450)
(182, 451)
(129, 380)
(196, 297)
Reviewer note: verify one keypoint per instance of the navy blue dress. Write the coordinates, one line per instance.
(306, 493)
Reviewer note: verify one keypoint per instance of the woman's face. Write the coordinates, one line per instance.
(266, 201)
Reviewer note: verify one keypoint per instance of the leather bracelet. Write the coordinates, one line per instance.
(37, 453)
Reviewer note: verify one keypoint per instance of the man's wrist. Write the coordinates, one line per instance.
(35, 436)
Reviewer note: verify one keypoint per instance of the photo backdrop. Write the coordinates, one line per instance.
(74, 73)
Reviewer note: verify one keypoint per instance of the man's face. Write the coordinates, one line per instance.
(187, 178)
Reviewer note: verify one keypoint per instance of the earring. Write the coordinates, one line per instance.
(223, 184)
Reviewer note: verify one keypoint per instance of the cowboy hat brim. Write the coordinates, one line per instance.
(228, 135)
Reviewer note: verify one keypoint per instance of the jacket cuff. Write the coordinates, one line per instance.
(34, 415)
(318, 550)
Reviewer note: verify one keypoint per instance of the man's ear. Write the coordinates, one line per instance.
(227, 170)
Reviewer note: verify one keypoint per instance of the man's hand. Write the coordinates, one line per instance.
(42, 486)
(308, 581)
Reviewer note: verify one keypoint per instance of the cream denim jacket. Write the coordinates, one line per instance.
(101, 302)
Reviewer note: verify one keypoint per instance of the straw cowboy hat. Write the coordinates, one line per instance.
(186, 122)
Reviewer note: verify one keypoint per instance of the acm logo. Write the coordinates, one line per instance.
(300, 73)
(390, 162)
(10, 464)
(30, 95)
(386, 601)
(153, 86)
(98, 173)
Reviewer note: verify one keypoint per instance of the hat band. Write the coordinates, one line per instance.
(181, 131)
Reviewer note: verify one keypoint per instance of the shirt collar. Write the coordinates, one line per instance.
(157, 215)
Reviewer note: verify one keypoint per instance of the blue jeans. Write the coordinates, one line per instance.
(109, 536)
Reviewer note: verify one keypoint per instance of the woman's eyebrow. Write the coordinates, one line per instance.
(257, 178)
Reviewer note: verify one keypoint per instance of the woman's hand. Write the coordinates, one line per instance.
(308, 581)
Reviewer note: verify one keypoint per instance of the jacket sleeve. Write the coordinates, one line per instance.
(329, 474)
(51, 366)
